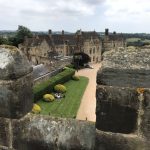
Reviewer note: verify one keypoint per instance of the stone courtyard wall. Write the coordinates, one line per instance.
(122, 112)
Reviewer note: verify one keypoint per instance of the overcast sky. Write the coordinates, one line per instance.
(71, 15)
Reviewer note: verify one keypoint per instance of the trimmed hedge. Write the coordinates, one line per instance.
(36, 109)
(48, 97)
(48, 86)
(76, 78)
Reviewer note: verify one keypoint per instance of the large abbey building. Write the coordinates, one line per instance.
(41, 48)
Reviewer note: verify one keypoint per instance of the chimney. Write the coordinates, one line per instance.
(106, 32)
(49, 32)
(63, 32)
(79, 32)
(114, 32)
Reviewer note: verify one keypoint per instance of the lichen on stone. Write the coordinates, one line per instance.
(12, 48)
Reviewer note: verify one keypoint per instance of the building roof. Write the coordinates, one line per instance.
(89, 35)
(60, 39)
(35, 41)
(118, 37)
(57, 39)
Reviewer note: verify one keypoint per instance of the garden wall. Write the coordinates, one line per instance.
(123, 100)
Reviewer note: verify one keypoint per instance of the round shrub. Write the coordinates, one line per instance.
(48, 97)
(76, 78)
(36, 109)
(60, 88)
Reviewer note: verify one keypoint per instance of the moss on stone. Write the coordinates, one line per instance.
(12, 48)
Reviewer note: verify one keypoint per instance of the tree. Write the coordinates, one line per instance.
(80, 59)
(21, 33)
(4, 41)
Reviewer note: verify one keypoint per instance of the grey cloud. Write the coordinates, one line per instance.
(94, 2)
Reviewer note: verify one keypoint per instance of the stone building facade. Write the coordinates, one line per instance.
(40, 49)
(37, 49)
(65, 44)
(90, 43)
(112, 41)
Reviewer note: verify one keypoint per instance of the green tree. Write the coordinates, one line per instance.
(21, 33)
(3, 40)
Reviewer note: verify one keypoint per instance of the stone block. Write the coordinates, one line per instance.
(16, 97)
(47, 133)
(127, 68)
(13, 64)
(116, 141)
(15, 83)
(116, 109)
(4, 132)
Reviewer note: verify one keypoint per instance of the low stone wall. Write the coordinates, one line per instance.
(54, 68)
(116, 141)
(46, 133)
(123, 100)
(47, 76)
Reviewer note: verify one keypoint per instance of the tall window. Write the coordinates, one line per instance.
(94, 50)
(93, 58)
(90, 51)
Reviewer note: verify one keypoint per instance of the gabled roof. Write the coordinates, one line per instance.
(118, 37)
(35, 41)
(70, 38)
(57, 39)
(88, 34)
(60, 39)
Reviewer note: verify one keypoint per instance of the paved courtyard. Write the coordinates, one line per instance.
(88, 103)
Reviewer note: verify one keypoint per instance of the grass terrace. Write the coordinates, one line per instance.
(68, 106)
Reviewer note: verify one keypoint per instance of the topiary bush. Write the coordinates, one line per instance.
(36, 109)
(76, 78)
(60, 88)
(47, 86)
(48, 97)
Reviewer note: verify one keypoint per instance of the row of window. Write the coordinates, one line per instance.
(93, 50)
(94, 59)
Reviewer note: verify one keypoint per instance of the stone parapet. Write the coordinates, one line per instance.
(47, 133)
(15, 83)
(123, 95)
(127, 68)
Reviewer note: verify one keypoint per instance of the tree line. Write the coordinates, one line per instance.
(18, 37)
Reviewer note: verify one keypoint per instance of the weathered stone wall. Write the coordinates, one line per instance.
(120, 107)
(93, 48)
(46, 133)
(47, 76)
(15, 83)
(56, 67)
(117, 141)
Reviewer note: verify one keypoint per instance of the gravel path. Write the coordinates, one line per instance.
(88, 103)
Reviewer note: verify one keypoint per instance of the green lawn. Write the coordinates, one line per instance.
(66, 107)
